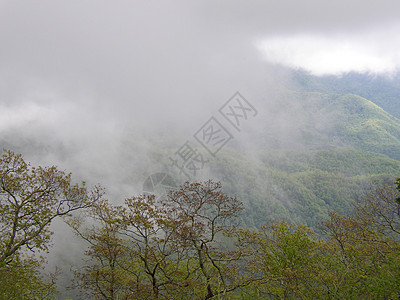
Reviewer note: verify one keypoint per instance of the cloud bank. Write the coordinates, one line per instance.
(99, 81)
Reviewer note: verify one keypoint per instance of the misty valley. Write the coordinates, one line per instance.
(301, 202)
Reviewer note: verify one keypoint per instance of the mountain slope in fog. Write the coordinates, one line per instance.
(349, 121)
(382, 90)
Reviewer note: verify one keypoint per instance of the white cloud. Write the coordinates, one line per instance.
(374, 52)
(22, 115)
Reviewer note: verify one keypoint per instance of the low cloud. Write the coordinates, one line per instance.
(376, 51)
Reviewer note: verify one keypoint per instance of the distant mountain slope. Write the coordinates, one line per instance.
(364, 125)
(381, 90)
(335, 120)
(300, 186)
(339, 144)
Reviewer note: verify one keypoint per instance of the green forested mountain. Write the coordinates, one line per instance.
(365, 126)
(382, 90)
(301, 187)
(343, 143)
(351, 121)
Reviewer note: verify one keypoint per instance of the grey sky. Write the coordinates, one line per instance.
(146, 49)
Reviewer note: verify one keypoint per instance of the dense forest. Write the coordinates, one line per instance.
(190, 245)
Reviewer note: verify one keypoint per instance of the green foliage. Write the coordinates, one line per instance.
(23, 279)
(150, 250)
(285, 260)
(30, 199)
(187, 246)
(174, 250)
(357, 255)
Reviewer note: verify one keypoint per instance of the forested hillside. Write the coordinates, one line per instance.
(331, 120)
(383, 90)
(342, 145)
(301, 187)
(309, 164)
(189, 245)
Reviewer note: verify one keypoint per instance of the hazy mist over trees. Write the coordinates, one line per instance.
(281, 121)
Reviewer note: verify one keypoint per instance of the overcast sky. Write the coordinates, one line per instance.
(123, 51)
(81, 72)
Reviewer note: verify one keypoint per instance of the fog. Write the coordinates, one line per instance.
(95, 87)
(110, 90)
(81, 79)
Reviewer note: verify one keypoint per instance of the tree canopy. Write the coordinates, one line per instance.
(191, 245)
(30, 199)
